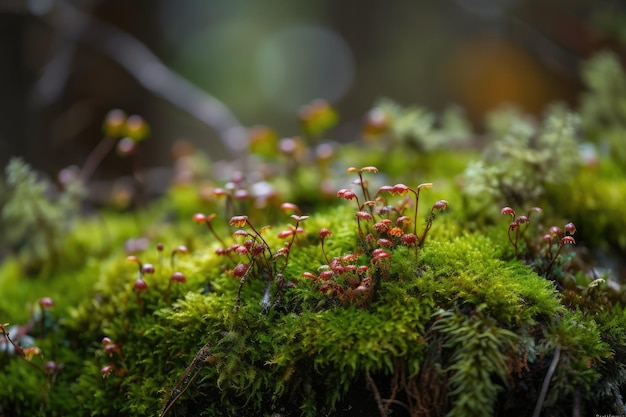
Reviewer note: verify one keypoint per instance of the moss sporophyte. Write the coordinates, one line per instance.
(254, 288)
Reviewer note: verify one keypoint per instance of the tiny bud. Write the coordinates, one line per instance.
(240, 270)
(363, 215)
(180, 249)
(114, 122)
(409, 239)
(324, 233)
(440, 205)
(159, 247)
(287, 207)
(238, 221)
(241, 194)
(326, 275)
(309, 275)
(140, 285)
(399, 189)
(199, 218)
(346, 194)
(111, 348)
(133, 259)
(522, 219)
(508, 210)
(106, 370)
(178, 277)
(556, 231)
(285, 233)
(126, 146)
(570, 228)
(51, 367)
(46, 302)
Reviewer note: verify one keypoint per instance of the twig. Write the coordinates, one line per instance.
(203, 356)
(546, 381)
(379, 401)
(147, 69)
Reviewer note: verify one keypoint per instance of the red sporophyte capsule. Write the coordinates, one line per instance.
(241, 194)
(403, 219)
(309, 275)
(380, 256)
(377, 251)
(199, 218)
(547, 237)
(385, 242)
(159, 247)
(362, 269)
(360, 289)
(536, 209)
(111, 348)
(395, 231)
(326, 275)
(570, 228)
(285, 233)
(132, 258)
(238, 221)
(363, 215)
(567, 239)
(299, 218)
(290, 207)
(399, 189)
(522, 219)
(46, 302)
(178, 277)
(140, 285)
(508, 210)
(385, 189)
(324, 233)
(240, 270)
(51, 367)
(440, 205)
(241, 250)
(106, 341)
(513, 225)
(366, 281)
(409, 239)
(347, 195)
(147, 269)
(556, 231)
(341, 192)
(219, 192)
(348, 257)
(240, 232)
(180, 249)
(106, 370)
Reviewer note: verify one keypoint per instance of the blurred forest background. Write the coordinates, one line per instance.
(64, 65)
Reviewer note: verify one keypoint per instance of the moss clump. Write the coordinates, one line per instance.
(378, 297)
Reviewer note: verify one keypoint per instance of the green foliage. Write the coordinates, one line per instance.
(522, 159)
(453, 323)
(603, 106)
(478, 363)
(33, 224)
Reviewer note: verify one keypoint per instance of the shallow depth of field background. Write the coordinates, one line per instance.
(264, 60)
